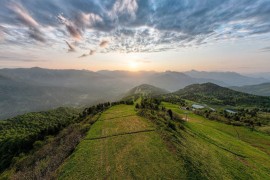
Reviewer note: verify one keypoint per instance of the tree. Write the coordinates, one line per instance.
(170, 113)
(251, 124)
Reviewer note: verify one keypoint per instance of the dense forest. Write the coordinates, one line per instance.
(18, 134)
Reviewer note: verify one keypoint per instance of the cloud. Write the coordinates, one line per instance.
(24, 17)
(8, 57)
(124, 7)
(84, 20)
(2, 29)
(83, 55)
(104, 43)
(81, 21)
(74, 31)
(138, 25)
(37, 35)
(91, 52)
(265, 49)
(71, 47)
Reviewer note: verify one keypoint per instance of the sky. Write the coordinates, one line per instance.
(159, 35)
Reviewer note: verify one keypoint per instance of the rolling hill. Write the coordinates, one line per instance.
(213, 94)
(260, 89)
(145, 90)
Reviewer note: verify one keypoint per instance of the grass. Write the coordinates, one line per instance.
(141, 155)
(214, 150)
(203, 150)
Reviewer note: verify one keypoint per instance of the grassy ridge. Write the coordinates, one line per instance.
(132, 155)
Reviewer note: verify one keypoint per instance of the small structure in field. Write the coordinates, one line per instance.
(197, 106)
(212, 109)
(184, 108)
(230, 111)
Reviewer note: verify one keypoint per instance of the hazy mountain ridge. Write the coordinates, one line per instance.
(34, 89)
(265, 75)
(260, 89)
(229, 78)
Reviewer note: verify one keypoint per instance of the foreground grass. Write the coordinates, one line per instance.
(215, 150)
(128, 148)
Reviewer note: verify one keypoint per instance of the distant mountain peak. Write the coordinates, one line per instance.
(145, 90)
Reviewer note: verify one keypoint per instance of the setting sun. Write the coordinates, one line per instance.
(133, 65)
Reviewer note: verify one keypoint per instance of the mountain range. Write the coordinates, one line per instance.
(34, 89)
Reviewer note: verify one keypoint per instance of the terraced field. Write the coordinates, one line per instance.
(121, 145)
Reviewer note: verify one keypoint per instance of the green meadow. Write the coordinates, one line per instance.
(121, 145)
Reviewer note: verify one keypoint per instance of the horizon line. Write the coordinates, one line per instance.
(209, 71)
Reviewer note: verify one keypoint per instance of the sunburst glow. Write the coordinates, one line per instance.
(133, 65)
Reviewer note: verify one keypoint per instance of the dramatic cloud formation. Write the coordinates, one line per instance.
(104, 43)
(23, 16)
(136, 25)
(72, 29)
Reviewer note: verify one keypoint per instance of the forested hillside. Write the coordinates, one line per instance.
(18, 135)
(144, 90)
(213, 94)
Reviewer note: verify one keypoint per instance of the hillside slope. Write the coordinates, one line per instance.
(18, 134)
(213, 150)
(145, 90)
(260, 89)
(121, 145)
(214, 94)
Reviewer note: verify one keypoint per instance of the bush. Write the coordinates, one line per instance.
(172, 125)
